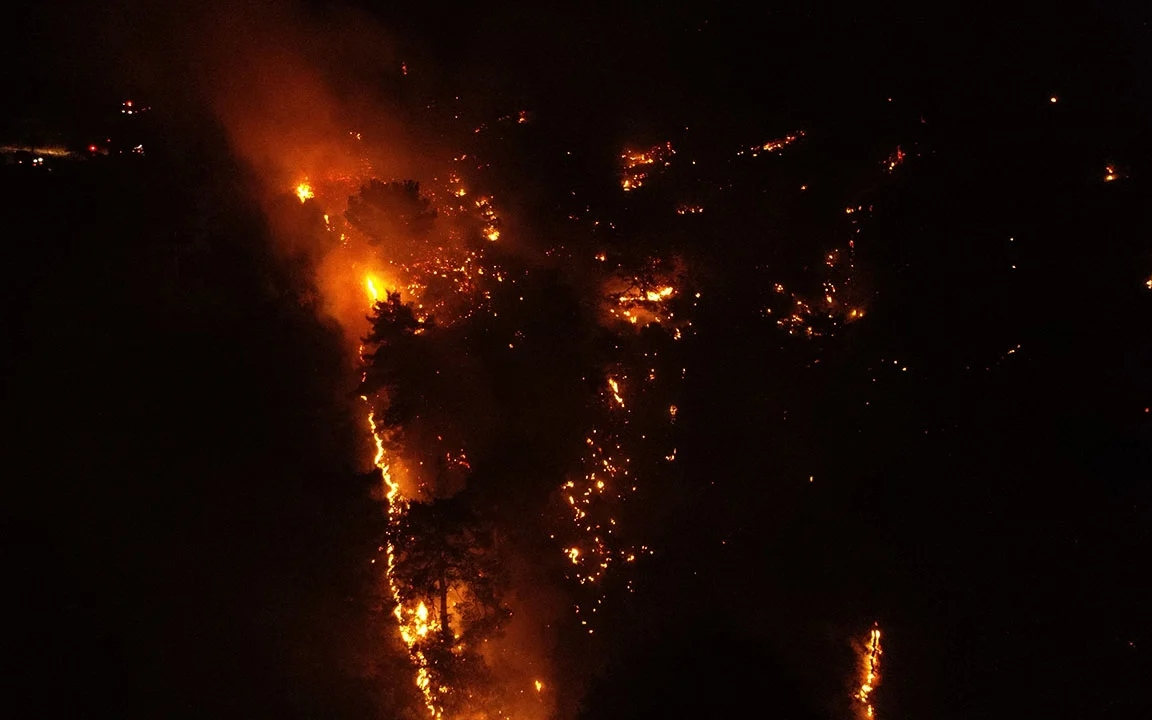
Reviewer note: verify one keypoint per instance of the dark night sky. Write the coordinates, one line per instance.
(186, 533)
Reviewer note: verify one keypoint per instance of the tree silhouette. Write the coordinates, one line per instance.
(448, 559)
(697, 673)
(393, 210)
(442, 548)
(400, 363)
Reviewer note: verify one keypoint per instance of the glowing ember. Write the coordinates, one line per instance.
(646, 299)
(815, 317)
(773, 146)
(868, 652)
(616, 391)
(894, 160)
(636, 164)
(632, 436)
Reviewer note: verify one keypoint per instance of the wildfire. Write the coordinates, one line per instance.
(443, 275)
(616, 391)
(773, 146)
(650, 297)
(304, 191)
(373, 291)
(839, 301)
(632, 435)
(414, 623)
(894, 160)
(636, 163)
(868, 653)
(814, 317)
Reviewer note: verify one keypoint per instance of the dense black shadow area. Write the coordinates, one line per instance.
(182, 523)
(698, 673)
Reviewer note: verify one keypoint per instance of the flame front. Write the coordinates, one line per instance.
(443, 276)
(413, 622)
(869, 667)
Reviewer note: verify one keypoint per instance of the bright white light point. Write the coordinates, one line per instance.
(1052, 99)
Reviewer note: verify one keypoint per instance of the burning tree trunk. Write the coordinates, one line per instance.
(445, 630)
(442, 546)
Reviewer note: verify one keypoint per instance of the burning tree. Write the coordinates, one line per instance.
(447, 564)
(447, 558)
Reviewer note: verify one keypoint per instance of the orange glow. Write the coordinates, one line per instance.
(650, 297)
(636, 163)
(414, 622)
(868, 654)
(773, 146)
(827, 313)
(894, 160)
(616, 391)
(304, 191)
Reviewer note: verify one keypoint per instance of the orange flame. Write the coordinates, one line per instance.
(869, 652)
(304, 191)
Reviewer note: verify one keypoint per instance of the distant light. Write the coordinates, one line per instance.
(1053, 99)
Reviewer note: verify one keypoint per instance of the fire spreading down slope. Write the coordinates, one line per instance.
(473, 345)
(446, 310)
(446, 316)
